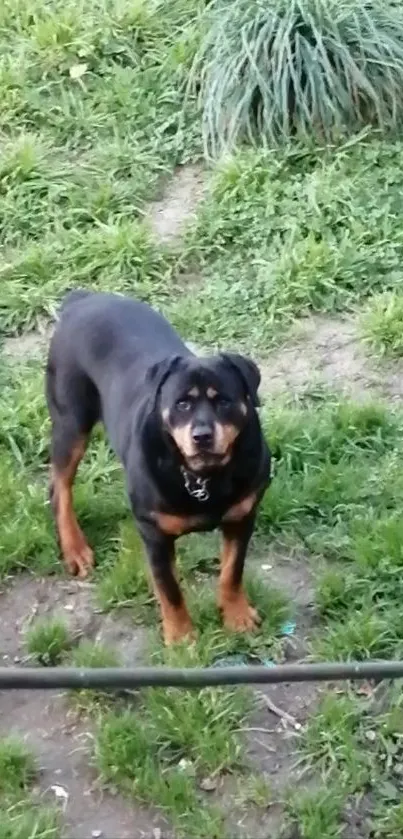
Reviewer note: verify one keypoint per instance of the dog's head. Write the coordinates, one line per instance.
(204, 404)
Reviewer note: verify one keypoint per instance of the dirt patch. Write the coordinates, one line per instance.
(177, 206)
(329, 351)
(29, 345)
(325, 351)
(59, 737)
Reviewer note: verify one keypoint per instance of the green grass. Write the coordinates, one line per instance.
(313, 814)
(88, 654)
(48, 640)
(382, 324)
(283, 234)
(92, 654)
(26, 821)
(162, 750)
(126, 583)
(17, 767)
(124, 754)
(90, 129)
(20, 815)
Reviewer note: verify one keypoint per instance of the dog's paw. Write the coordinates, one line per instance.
(178, 628)
(78, 557)
(239, 616)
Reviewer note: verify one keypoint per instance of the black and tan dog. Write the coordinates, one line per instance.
(184, 427)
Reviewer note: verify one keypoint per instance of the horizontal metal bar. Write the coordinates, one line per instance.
(118, 678)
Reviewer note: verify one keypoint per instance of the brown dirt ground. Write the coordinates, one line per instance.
(179, 203)
(328, 351)
(322, 350)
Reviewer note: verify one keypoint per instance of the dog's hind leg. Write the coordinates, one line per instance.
(72, 420)
(77, 554)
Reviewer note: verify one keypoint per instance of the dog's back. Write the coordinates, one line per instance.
(105, 333)
(101, 350)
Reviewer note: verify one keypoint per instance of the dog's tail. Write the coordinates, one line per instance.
(73, 297)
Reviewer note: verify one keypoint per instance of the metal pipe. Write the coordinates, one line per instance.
(119, 678)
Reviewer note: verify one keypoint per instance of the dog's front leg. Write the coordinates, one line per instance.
(238, 614)
(176, 623)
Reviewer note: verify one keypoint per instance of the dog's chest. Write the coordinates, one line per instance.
(204, 520)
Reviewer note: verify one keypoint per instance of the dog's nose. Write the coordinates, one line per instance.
(202, 436)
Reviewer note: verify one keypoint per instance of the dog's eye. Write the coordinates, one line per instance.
(223, 402)
(184, 405)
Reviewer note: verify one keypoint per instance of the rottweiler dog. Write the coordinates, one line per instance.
(185, 428)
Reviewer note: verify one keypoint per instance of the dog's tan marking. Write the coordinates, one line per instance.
(77, 554)
(176, 525)
(243, 408)
(211, 393)
(242, 509)
(194, 392)
(165, 415)
(238, 615)
(176, 622)
(224, 437)
(183, 438)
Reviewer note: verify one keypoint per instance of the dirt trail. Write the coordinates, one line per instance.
(178, 204)
(329, 351)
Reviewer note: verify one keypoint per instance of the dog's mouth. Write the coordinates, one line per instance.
(204, 461)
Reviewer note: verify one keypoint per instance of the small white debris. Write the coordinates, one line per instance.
(370, 735)
(157, 833)
(61, 794)
(266, 567)
(78, 70)
(96, 834)
(208, 784)
(184, 764)
(69, 607)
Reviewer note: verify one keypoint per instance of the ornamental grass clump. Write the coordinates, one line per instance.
(274, 69)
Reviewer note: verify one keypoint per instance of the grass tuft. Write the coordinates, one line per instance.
(382, 324)
(315, 813)
(272, 70)
(89, 654)
(93, 654)
(17, 767)
(48, 641)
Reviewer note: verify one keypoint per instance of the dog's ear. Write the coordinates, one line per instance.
(158, 373)
(248, 371)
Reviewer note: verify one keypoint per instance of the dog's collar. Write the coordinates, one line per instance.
(195, 485)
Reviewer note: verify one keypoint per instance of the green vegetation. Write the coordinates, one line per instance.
(26, 821)
(283, 68)
(48, 640)
(20, 818)
(17, 767)
(382, 324)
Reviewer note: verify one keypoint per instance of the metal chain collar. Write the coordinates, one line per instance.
(195, 485)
